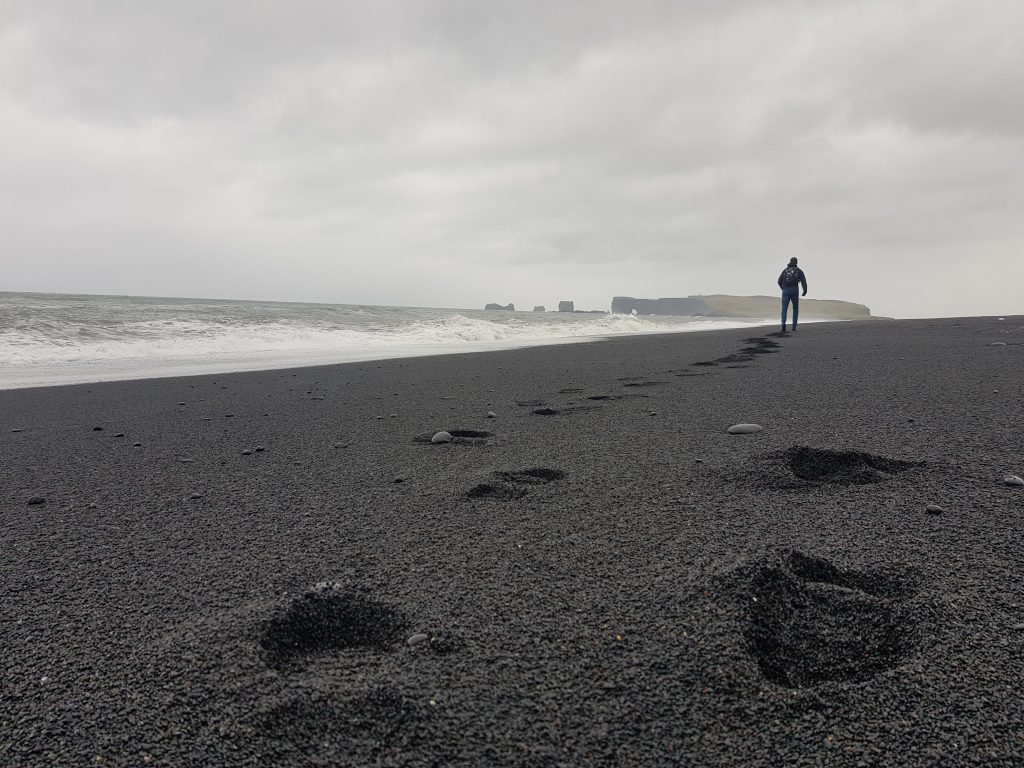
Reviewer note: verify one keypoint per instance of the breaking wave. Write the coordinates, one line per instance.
(54, 339)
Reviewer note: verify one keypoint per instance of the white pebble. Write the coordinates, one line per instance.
(418, 638)
(1013, 480)
(441, 437)
(744, 429)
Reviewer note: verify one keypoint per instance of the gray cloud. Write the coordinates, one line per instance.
(451, 153)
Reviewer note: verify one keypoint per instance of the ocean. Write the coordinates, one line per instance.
(49, 339)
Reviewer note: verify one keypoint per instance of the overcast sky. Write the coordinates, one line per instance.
(452, 153)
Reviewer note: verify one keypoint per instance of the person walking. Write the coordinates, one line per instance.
(790, 281)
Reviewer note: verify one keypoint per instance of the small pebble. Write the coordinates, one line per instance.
(137, 445)
(260, 449)
(119, 434)
(180, 403)
(1018, 627)
(418, 638)
(380, 418)
(341, 445)
(998, 344)
(744, 429)
(441, 437)
(15, 430)
(197, 495)
(97, 429)
(92, 505)
(492, 415)
(934, 509)
(393, 416)
(37, 500)
(1013, 480)
(399, 480)
(247, 452)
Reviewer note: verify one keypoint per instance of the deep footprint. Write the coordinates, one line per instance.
(325, 618)
(510, 484)
(811, 623)
(818, 465)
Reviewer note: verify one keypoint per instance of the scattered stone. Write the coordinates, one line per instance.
(399, 480)
(547, 411)
(1018, 627)
(1013, 480)
(119, 434)
(229, 415)
(137, 445)
(341, 445)
(744, 429)
(418, 638)
(92, 505)
(998, 344)
(37, 500)
(15, 430)
(380, 418)
(934, 509)
(393, 416)
(197, 495)
(247, 452)
(181, 403)
(699, 461)
(490, 415)
(97, 429)
(260, 449)
(441, 437)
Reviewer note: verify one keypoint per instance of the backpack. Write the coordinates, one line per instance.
(790, 277)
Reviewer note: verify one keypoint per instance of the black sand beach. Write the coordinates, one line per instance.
(620, 582)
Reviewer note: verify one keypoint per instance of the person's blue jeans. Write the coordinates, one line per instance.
(790, 295)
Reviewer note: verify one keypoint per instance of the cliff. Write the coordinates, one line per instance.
(739, 306)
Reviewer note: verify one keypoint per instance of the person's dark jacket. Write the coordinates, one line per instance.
(801, 279)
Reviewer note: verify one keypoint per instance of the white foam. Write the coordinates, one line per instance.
(40, 351)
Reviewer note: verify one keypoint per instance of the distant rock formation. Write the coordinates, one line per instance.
(738, 306)
(508, 307)
(566, 306)
(539, 308)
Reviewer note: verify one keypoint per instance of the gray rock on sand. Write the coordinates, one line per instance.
(998, 344)
(1013, 480)
(418, 638)
(934, 509)
(441, 437)
(247, 452)
(744, 429)
(492, 415)
(37, 500)
(196, 495)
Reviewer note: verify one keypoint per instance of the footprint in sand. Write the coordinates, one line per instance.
(325, 618)
(811, 622)
(818, 465)
(514, 484)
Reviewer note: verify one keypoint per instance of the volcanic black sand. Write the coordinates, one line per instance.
(280, 569)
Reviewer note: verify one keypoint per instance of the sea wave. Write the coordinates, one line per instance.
(51, 343)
